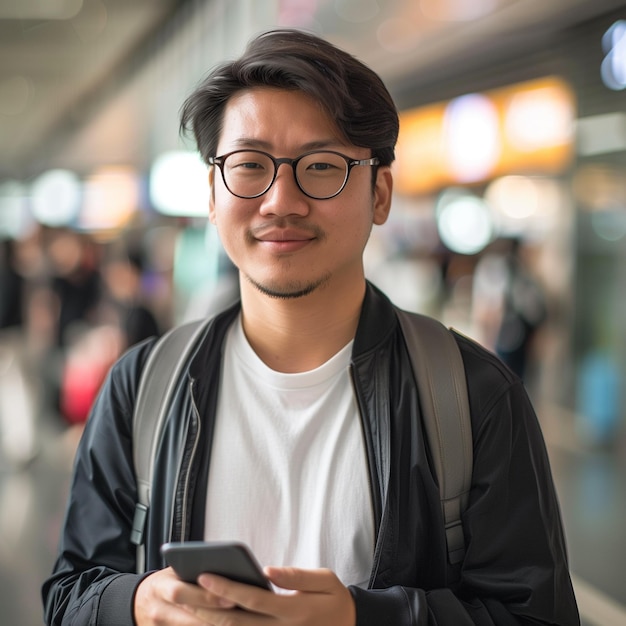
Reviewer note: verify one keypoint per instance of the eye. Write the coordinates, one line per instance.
(250, 165)
(323, 163)
(248, 162)
(321, 167)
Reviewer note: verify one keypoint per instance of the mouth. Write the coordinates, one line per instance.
(284, 240)
(279, 235)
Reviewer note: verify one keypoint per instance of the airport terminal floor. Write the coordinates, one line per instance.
(590, 482)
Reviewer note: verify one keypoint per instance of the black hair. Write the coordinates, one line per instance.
(354, 96)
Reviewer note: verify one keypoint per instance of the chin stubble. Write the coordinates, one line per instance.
(295, 288)
(291, 290)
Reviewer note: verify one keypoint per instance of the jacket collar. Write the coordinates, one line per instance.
(376, 322)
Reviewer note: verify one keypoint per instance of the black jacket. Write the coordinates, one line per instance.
(515, 570)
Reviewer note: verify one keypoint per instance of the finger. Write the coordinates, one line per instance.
(161, 599)
(308, 580)
(175, 591)
(230, 617)
(233, 594)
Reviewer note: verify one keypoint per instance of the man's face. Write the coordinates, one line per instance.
(283, 242)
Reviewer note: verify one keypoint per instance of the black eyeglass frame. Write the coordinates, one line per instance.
(350, 163)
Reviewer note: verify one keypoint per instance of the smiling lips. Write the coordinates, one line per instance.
(284, 239)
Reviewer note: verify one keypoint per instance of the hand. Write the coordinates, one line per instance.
(319, 599)
(164, 599)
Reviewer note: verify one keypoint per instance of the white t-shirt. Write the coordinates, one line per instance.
(288, 473)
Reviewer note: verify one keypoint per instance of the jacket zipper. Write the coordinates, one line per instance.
(185, 478)
(378, 546)
(375, 492)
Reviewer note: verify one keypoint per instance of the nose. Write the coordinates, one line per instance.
(284, 197)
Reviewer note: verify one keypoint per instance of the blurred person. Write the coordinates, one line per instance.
(310, 445)
(524, 311)
(124, 303)
(18, 403)
(75, 286)
(18, 397)
(75, 280)
(89, 355)
(43, 355)
(11, 286)
(512, 304)
(120, 320)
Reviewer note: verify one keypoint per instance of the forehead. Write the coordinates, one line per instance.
(272, 118)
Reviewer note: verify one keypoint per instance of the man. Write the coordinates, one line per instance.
(296, 427)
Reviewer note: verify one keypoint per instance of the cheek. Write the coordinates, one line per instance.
(224, 208)
(232, 218)
(350, 230)
(355, 214)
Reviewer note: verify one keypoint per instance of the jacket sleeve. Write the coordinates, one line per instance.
(93, 580)
(515, 570)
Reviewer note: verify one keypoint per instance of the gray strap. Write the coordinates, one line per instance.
(440, 375)
(158, 380)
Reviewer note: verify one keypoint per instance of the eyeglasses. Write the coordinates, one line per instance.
(319, 174)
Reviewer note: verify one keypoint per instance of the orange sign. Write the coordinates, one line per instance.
(526, 128)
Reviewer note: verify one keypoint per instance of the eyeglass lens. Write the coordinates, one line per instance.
(320, 174)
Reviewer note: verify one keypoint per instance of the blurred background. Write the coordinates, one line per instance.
(509, 223)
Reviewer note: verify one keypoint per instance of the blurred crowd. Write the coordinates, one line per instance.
(69, 306)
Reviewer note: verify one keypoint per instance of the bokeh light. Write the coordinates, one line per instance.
(464, 221)
(179, 184)
(56, 197)
(472, 137)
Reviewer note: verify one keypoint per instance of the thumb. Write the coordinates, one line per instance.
(308, 580)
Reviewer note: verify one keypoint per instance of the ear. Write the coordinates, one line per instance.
(382, 194)
(211, 195)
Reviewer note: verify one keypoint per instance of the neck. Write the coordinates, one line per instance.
(300, 334)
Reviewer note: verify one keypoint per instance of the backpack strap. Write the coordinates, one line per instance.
(440, 376)
(156, 386)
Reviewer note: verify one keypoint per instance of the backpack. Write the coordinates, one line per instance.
(440, 377)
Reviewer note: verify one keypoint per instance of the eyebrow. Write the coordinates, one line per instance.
(318, 144)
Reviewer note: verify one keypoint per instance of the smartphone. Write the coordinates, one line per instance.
(230, 559)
